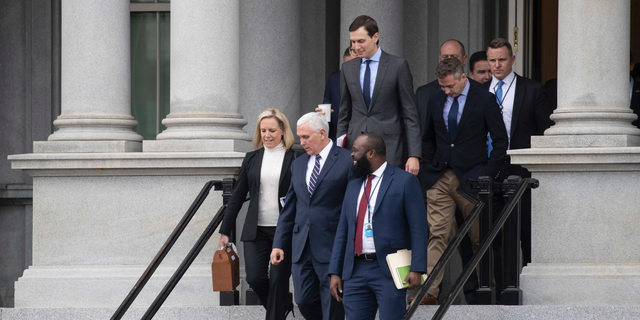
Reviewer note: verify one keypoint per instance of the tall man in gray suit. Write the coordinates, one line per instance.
(376, 91)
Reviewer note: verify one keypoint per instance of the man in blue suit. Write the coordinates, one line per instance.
(382, 212)
(310, 216)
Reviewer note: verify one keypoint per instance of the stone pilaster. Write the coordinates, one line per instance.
(204, 80)
(96, 81)
(270, 58)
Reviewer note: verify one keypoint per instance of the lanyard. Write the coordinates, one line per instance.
(369, 196)
(505, 94)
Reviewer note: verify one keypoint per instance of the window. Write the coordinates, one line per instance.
(150, 39)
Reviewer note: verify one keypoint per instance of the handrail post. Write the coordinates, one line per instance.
(512, 294)
(229, 298)
(486, 293)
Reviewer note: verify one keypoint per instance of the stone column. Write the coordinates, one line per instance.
(388, 15)
(96, 81)
(593, 77)
(585, 212)
(204, 80)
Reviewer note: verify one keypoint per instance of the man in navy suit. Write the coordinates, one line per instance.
(454, 148)
(382, 212)
(332, 94)
(310, 216)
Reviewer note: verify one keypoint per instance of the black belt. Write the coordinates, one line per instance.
(367, 256)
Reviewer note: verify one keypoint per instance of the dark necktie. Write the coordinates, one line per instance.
(314, 176)
(362, 211)
(366, 85)
(453, 118)
(499, 101)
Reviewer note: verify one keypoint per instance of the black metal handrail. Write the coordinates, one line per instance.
(226, 185)
(513, 188)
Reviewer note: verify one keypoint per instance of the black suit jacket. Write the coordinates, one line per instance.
(249, 181)
(531, 112)
(467, 153)
(635, 102)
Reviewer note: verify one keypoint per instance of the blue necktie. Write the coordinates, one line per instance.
(314, 176)
(453, 118)
(499, 101)
(366, 85)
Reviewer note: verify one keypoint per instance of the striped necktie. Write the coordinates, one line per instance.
(314, 176)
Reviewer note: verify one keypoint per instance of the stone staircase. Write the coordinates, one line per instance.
(257, 312)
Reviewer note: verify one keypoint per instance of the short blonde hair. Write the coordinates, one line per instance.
(287, 134)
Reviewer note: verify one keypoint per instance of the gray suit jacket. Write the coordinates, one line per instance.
(392, 113)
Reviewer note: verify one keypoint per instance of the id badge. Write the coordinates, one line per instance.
(368, 230)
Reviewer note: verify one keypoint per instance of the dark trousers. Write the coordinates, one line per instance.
(369, 289)
(272, 287)
(311, 283)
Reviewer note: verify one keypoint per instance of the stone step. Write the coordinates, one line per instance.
(257, 312)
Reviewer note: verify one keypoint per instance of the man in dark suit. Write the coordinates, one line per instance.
(525, 111)
(332, 94)
(451, 48)
(454, 149)
(479, 69)
(310, 216)
(377, 96)
(382, 213)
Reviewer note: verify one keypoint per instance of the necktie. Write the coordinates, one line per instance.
(362, 210)
(453, 118)
(499, 101)
(314, 176)
(366, 85)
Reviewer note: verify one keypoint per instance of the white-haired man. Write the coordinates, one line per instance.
(310, 217)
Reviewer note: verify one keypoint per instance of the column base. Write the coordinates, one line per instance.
(581, 284)
(214, 145)
(86, 146)
(106, 286)
(585, 141)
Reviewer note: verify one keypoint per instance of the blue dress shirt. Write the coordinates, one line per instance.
(462, 99)
(373, 68)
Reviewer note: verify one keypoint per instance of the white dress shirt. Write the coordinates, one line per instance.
(373, 69)
(268, 209)
(367, 242)
(508, 95)
(312, 161)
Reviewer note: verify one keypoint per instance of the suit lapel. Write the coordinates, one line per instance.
(518, 99)
(331, 159)
(469, 103)
(302, 167)
(387, 178)
(258, 166)
(438, 115)
(355, 73)
(286, 163)
(382, 70)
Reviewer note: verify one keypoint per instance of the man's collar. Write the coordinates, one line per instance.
(380, 170)
(507, 79)
(325, 152)
(376, 57)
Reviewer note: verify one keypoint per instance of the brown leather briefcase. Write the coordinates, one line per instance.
(225, 270)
